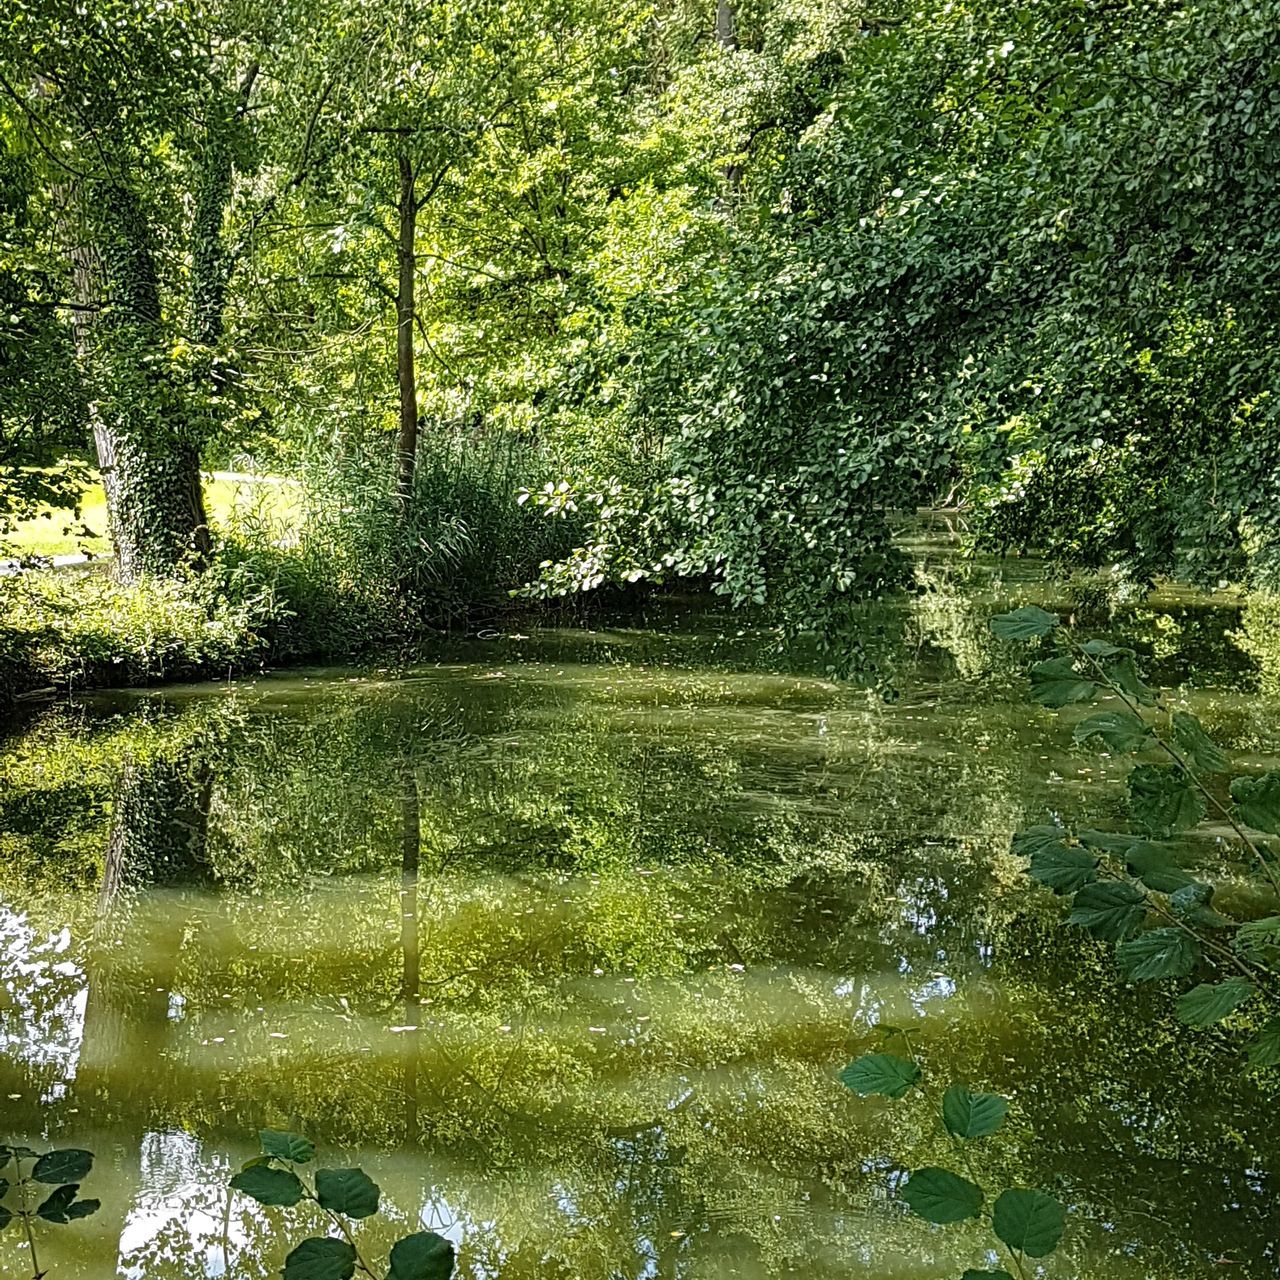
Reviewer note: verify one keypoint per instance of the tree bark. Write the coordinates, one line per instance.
(406, 317)
(147, 452)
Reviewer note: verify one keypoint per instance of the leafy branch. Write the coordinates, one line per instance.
(64, 1170)
(1127, 887)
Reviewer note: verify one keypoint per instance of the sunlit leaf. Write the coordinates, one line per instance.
(1028, 623)
(320, 1258)
(1122, 731)
(1264, 1048)
(1158, 953)
(1161, 800)
(269, 1185)
(1258, 801)
(1064, 869)
(287, 1146)
(1210, 1002)
(972, 1115)
(882, 1073)
(1196, 745)
(421, 1256)
(1029, 1221)
(938, 1195)
(1056, 683)
(1110, 909)
(347, 1191)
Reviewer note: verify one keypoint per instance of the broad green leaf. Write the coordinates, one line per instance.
(4, 1187)
(1029, 1221)
(1064, 870)
(286, 1146)
(1264, 1048)
(347, 1191)
(1110, 909)
(1158, 953)
(1035, 839)
(321, 1258)
(882, 1073)
(268, 1185)
(6, 1217)
(1108, 841)
(938, 1195)
(1122, 731)
(68, 1165)
(1124, 676)
(55, 1206)
(1258, 801)
(1027, 623)
(972, 1115)
(1056, 683)
(1155, 867)
(83, 1208)
(1210, 1002)
(421, 1256)
(986, 1275)
(1196, 745)
(1259, 939)
(1162, 801)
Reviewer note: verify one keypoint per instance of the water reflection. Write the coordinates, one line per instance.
(564, 943)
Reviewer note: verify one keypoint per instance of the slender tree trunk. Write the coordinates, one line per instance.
(727, 39)
(406, 316)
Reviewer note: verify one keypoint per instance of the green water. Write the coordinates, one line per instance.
(564, 938)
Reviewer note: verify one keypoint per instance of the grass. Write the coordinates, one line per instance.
(61, 532)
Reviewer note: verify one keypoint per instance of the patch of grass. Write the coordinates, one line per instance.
(63, 532)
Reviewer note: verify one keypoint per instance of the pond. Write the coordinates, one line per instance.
(565, 937)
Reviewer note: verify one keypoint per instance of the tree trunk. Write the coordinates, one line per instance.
(406, 316)
(727, 39)
(148, 453)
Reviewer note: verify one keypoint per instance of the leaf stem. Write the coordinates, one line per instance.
(25, 1214)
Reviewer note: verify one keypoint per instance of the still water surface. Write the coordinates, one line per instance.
(565, 937)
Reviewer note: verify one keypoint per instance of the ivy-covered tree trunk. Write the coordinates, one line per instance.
(147, 444)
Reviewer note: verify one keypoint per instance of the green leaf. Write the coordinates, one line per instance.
(268, 1185)
(1197, 746)
(320, 1258)
(986, 1275)
(68, 1165)
(1210, 1002)
(4, 1187)
(1029, 1221)
(1124, 676)
(1110, 909)
(286, 1146)
(1259, 938)
(6, 1217)
(1155, 867)
(1122, 731)
(1258, 801)
(972, 1115)
(1158, 953)
(1264, 1048)
(1108, 841)
(1030, 842)
(883, 1073)
(1162, 800)
(1064, 870)
(421, 1256)
(1056, 683)
(347, 1191)
(83, 1208)
(1102, 649)
(938, 1195)
(1027, 623)
(54, 1208)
